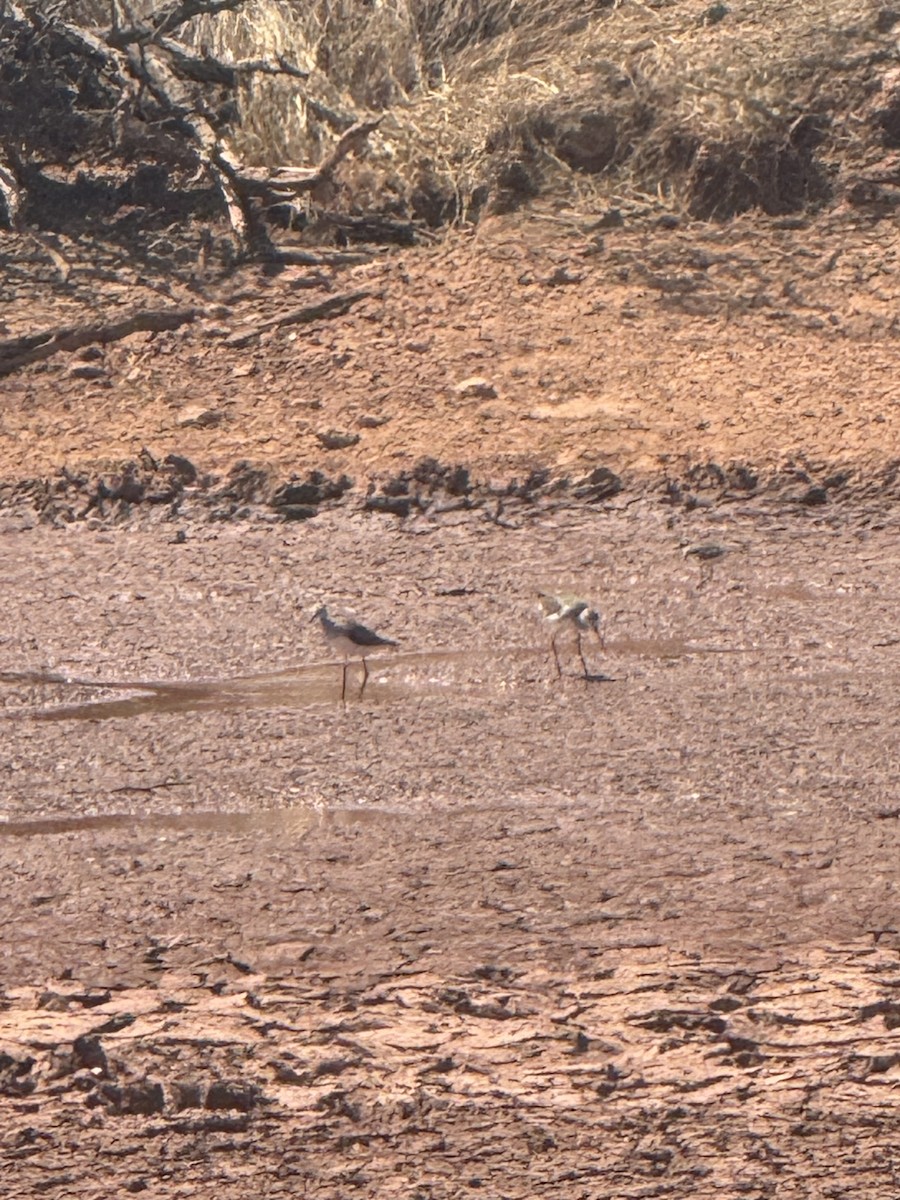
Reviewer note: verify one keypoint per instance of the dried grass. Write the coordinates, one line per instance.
(704, 107)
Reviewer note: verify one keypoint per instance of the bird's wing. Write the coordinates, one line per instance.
(705, 550)
(366, 637)
(570, 600)
(550, 605)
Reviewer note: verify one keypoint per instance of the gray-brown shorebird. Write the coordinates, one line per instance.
(349, 639)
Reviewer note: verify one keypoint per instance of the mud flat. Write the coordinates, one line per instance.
(482, 930)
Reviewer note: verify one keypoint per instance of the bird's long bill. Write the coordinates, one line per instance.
(600, 638)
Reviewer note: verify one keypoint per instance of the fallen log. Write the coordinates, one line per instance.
(16, 353)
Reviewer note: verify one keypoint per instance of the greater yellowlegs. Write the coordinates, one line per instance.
(564, 610)
(350, 640)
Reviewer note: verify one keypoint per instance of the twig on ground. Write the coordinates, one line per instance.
(334, 306)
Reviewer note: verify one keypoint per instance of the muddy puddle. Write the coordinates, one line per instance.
(287, 822)
(391, 680)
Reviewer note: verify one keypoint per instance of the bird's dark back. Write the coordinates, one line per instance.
(366, 637)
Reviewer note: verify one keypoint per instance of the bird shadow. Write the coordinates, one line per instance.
(599, 677)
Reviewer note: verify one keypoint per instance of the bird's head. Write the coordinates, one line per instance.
(592, 620)
(320, 614)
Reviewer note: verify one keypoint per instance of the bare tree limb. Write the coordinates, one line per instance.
(302, 179)
(339, 122)
(167, 19)
(153, 93)
(16, 353)
(203, 68)
(334, 306)
(10, 194)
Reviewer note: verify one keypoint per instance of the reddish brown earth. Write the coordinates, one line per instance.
(479, 931)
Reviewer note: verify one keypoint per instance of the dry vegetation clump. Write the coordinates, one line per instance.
(709, 109)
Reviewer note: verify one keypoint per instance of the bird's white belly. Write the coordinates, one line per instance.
(347, 648)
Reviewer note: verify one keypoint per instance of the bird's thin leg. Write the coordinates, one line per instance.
(584, 665)
(556, 655)
(344, 683)
(365, 678)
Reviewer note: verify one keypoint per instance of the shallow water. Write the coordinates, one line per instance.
(391, 680)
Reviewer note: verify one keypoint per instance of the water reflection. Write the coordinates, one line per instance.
(394, 678)
(281, 821)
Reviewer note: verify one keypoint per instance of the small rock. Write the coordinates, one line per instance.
(86, 371)
(241, 1097)
(714, 14)
(562, 277)
(194, 416)
(183, 468)
(397, 506)
(476, 387)
(334, 439)
(705, 551)
(600, 484)
(297, 512)
(611, 219)
(814, 496)
(372, 420)
(89, 1053)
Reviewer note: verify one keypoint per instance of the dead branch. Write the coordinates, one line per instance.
(10, 195)
(158, 77)
(16, 353)
(339, 122)
(203, 68)
(152, 93)
(322, 258)
(288, 180)
(167, 19)
(334, 306)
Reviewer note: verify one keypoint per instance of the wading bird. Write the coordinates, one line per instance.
(562, 611)
(707, 555)
(350, 640)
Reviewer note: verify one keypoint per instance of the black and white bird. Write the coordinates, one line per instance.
(350, 640)
(566, 611)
